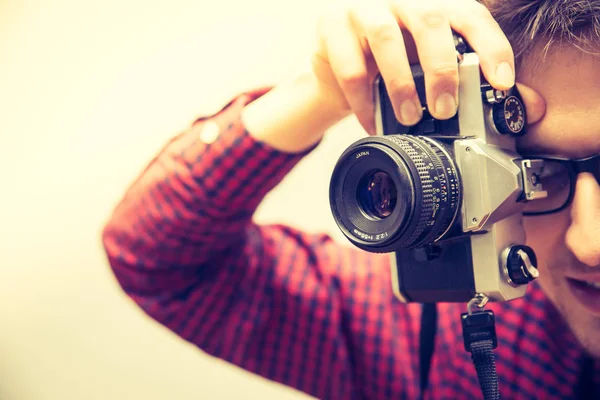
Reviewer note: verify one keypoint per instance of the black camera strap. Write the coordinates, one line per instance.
(426, 342)
(479, 335)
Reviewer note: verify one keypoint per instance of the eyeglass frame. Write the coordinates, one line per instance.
(575, 166)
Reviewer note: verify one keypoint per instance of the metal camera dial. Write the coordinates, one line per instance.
(509, 116)
(520, 264)
(508, 111)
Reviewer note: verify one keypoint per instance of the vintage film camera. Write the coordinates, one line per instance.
(444, 197)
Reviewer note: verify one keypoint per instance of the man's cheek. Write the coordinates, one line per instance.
(546, 236)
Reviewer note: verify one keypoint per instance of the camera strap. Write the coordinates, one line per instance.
(479, 335)
(426, 342)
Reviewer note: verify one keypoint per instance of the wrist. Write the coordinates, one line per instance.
(294, 115)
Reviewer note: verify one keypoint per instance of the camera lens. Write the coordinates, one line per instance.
(377, 194)
(389, 193)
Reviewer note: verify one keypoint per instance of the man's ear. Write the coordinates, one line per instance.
(534, 103)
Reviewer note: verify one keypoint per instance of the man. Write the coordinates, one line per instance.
(302, 310)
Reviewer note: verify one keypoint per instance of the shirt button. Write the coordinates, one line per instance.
(210, 131)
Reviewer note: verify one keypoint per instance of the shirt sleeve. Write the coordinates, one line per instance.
(269, 298)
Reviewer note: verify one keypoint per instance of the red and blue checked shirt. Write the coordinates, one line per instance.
(298, 308)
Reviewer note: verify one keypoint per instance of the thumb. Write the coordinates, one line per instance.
(534, 103)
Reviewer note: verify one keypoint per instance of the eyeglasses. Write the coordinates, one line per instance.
(558, 179)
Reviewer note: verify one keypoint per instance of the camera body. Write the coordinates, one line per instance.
(444, 198)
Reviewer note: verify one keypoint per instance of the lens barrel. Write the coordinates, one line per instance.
(395, 192)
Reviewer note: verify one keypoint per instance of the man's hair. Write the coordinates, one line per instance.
(532, 23)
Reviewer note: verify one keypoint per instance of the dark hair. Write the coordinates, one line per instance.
(532, 23)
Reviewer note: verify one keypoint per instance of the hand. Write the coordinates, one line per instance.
(362, 38)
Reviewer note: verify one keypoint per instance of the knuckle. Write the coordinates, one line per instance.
(381, 32)
(444, 79)
(431, 18)
(504, 53)
(351, 78)
(503, 48)
(400, 88)
(445, 71)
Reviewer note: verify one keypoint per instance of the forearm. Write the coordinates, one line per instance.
(294, 116)
(195, 199)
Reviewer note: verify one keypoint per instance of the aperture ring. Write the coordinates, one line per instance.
(410, 148)
(449, 181)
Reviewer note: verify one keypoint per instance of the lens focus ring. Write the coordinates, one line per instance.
(426, 199)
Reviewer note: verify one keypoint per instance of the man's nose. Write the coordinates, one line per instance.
(583, 235)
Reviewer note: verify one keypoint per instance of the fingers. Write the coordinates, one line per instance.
(349, 65)
(475, 23)
(430, 29)
(385, 40)
(375, 35)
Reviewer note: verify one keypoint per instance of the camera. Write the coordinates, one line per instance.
(444, 197)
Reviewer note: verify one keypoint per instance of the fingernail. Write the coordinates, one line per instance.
(409, 113)
(445, 105)
(505, 74)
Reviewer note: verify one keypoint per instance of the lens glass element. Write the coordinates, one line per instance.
(377, 194)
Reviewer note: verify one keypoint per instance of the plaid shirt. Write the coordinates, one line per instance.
(298, 308)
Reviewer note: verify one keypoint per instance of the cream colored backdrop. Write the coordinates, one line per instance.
(89, 91)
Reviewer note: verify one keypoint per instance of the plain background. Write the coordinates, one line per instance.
(89, 91)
